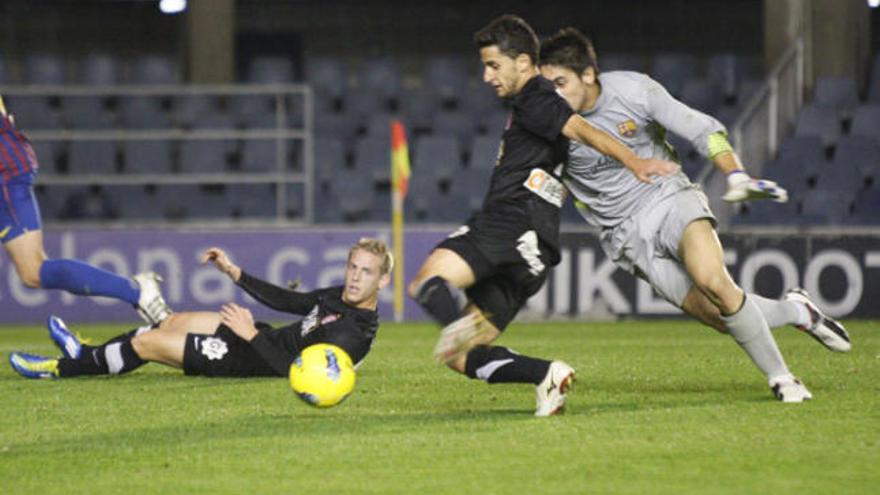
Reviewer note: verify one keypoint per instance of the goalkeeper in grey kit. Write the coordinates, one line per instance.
(229, 342)
(664, 232)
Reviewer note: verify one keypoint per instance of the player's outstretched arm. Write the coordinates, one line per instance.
(580, 130)
(222, 262)
(740, 185)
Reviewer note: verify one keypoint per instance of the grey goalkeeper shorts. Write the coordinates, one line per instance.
(646, 244)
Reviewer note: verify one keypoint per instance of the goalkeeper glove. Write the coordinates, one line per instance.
(741, 187)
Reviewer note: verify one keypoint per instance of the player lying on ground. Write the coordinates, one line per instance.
(229, 343)
(664, 232)
(22, 237)
(476, 280)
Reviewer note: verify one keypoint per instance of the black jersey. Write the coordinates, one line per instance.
(328, 319)
(532, 140)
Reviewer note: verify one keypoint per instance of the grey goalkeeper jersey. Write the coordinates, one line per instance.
(637, 111)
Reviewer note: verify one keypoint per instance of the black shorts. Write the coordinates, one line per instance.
(223, 354)
(507, 275)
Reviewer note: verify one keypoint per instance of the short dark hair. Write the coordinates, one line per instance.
(511, 34)
(570, 48)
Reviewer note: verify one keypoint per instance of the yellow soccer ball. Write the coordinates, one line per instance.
(322, 375)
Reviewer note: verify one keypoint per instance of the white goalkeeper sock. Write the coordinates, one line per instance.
(749, 329)
(779, 312)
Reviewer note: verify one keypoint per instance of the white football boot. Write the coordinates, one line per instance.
(550, 393)
(828, 331)
(151, 305)
(789, 389)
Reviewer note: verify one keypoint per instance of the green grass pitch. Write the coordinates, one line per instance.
(659, 407)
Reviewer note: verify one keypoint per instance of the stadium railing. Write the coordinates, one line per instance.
(281, 177)
(756, 133)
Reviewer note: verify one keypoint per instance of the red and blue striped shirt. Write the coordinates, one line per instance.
(18, 162)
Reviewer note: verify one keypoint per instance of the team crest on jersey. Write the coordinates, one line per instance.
(627, 129)
(309, 322)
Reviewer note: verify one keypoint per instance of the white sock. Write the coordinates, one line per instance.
(779, 312)
(750, 330)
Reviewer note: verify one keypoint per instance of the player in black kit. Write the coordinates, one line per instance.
(229, 343)
(476, 280)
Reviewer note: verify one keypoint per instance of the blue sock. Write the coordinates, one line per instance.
(86, 280)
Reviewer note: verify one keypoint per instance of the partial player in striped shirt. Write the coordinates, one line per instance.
(22, 237)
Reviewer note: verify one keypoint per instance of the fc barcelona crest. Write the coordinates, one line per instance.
(627, 129)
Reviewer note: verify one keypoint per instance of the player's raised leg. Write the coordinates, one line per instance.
(703, 259)
(37, 271)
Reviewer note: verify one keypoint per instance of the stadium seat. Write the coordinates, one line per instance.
(361, 103)
(825, 207)
(355, 200)
(727, 71)
(622, 61)
(462, 125)
(483, 153)
(50, 199)
(795, 176)
(492, 124)
(438, 156)
(294, 201)
(336, 126)
(727, 115)
(271, 70)
(205, 156)
(328, 77)
(673, 69)
(98, 69)
(259, 155)
(821, 121)
(48, 154)
(372, 160)
(44, 68)
(133, 202)
(380, 76)
(143, 112)
(767, 213)
(866, 208)
(251, 200)
(859, 152)
(92, 157)
(684, 148)
(447, 77)
(329, 161)
(190, 107)
(214, 120)
(866, 121)
(702, 95)
(87, 203)
(378, 125)
(146, 157)
(86, 112)
(480, 99)
(32, 112)
(418, 106)
(836, 92)
(155, 69)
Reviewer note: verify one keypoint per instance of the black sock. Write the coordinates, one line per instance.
(441, 300)
(114, 357)
(496, 364)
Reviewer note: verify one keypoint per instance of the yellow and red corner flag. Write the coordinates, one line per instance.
(399, 187)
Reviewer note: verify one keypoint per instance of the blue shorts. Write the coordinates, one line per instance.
(19, 212)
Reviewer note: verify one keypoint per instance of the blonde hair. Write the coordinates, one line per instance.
(379, 248)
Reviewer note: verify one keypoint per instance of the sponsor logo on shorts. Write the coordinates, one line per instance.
(627, 129)
(527, 245)
(214, 348)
